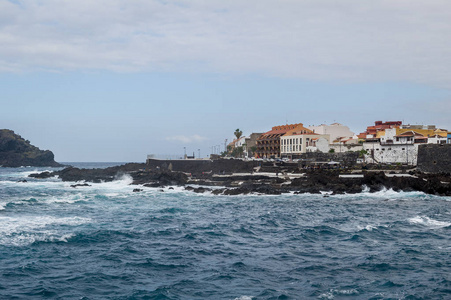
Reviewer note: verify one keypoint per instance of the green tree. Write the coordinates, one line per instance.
(253, 149)
(238, 133)
(362, 153)
(238, 152)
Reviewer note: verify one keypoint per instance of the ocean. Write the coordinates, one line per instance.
(107, 242)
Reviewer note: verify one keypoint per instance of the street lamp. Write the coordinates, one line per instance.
(184, 152)
(199, 153)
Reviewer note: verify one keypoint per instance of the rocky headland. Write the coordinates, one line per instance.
(324, 181)
(16, 152)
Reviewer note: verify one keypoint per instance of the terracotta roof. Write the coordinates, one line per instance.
(409, 133)
(281, 130)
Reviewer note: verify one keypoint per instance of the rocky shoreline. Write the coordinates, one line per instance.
(311, 181)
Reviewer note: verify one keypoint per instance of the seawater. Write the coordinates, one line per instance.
(107, 242)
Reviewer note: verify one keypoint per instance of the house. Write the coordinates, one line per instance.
(334, 130)
(379, 126)
(400, 144)
(449, 137)
(268, 144)
(251, 144)
(437, 139)
(346, 144)
(298, 141)
(237, 147)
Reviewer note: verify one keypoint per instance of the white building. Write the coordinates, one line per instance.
(240, 142)
(393, 148)
(437, 139)
(394, 153)
(335, 131)
(297, 143)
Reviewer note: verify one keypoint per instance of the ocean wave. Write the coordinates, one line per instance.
(368, 227)
(428, 222)
(336, 292)
(24, 230)
(26, 239)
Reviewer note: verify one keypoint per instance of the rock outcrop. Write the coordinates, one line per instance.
(16, 152)
(312, 181)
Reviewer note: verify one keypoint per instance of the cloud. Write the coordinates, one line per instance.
(381, 40)
(186, 139)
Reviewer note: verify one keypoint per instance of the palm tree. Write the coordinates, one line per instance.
(238, 133)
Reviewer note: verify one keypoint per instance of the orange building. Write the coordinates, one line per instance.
(268, 144)
(378, 126)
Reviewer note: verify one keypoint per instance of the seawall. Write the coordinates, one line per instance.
(434, 158)
(199, 166)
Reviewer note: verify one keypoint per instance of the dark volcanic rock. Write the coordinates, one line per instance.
(79, 184)
(314, 181)
(97, 175)
(41, 175)
(164, 178)
(16, 151)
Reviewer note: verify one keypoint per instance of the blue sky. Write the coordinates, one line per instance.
(117, 80)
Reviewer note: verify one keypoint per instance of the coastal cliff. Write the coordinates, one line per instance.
(16, 152)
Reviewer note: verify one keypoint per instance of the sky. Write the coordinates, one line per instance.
(116, 80)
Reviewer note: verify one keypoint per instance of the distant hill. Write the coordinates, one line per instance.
(16, 151)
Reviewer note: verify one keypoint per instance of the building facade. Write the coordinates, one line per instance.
(379, 126)
(251, 144)
(335, 131)
(395, 146)
(294, 143)
(268, 144)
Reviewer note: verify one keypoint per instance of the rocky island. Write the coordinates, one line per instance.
(15, 151)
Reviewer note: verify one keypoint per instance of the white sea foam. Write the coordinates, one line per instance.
(328, 296)
(122, 183)
(24, 230)
(346, 292)
(245, 298)
(428, 222)
(386, 194)
(368, 227)
(67, 198)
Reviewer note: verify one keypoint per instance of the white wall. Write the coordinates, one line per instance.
(322, 144)
(334, 130)
(346, 148)
(437, 140)
(299, 143)
(392, 153)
